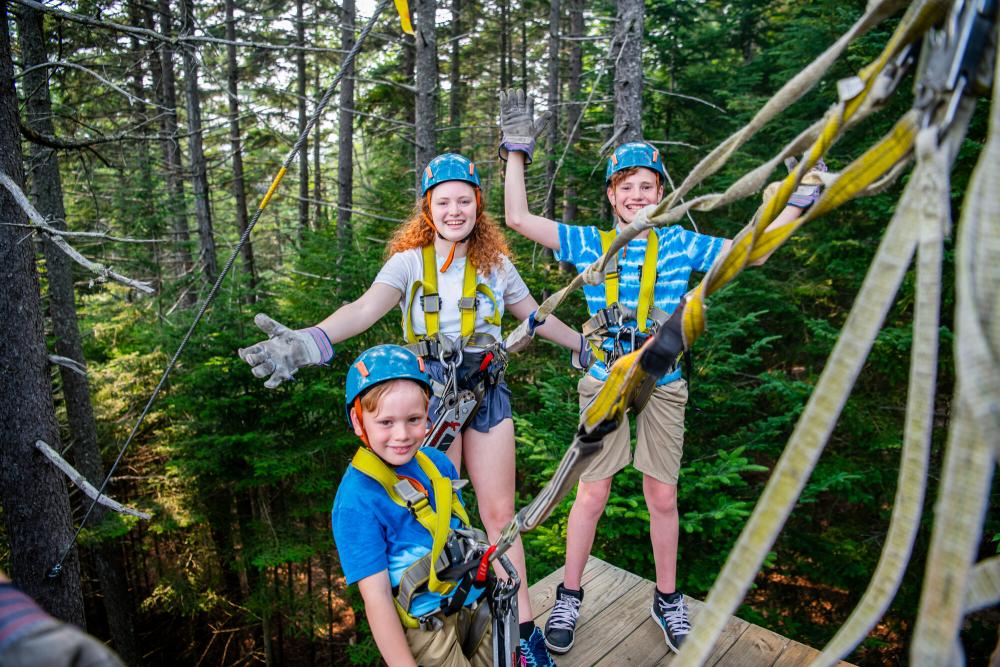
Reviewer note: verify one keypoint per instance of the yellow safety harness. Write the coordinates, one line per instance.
(599, 327)
(431, 301)
(420, 575)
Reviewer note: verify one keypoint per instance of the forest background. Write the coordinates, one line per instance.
(157, 148)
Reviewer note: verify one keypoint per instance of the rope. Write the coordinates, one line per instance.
(346, 63)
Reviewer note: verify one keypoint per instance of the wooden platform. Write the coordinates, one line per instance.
(616, 628)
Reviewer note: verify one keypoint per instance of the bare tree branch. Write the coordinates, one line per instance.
(94, 267)
(100, 236)
(71, 364)
(87, 70)
(85, 486)
(686, 97)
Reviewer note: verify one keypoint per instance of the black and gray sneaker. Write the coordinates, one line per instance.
(670, 611)
(561, 626)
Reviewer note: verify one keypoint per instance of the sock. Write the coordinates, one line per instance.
(669, 597)
(578, 593)
(525, 629)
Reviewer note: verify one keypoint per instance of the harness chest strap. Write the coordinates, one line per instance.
(645, 309)
(432, 301)
(438, 523)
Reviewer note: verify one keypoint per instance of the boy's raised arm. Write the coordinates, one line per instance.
(516, 213)
(517, 143)
(384, 621)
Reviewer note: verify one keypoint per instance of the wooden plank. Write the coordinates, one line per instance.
(599, 636)
(543, 592)
(796, 654)
(756, 647)
(615, 627)
(641, 648)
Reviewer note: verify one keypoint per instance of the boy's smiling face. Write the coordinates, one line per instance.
(633, 193)
(396, 427)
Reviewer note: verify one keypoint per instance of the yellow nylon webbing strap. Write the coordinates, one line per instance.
(748, 246)
(647, 284)
(920, 15)
(468, 292)
(610, 278)
(404, 16)
(437, 522)
(408, 313)
(485, 290)
(442, 490)
(431, 320)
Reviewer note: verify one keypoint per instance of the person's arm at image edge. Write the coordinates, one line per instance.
(384, 621)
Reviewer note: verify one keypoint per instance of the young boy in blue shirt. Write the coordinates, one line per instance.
(381, 539)
(640, 282)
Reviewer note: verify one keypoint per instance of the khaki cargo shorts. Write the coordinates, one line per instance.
(659, 435)
(454, 644)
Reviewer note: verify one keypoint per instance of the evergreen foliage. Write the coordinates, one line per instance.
(238, 563)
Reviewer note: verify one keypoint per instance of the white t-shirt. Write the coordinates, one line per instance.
(405, 268)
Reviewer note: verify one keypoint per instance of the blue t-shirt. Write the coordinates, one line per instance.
(373, 533)
(679, 253)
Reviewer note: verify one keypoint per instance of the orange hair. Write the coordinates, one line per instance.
(487, 244)
(369, 401)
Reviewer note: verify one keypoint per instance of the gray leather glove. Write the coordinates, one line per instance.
(518, 126)
(285, 351)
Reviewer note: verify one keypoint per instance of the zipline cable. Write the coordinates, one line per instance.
(303, 137)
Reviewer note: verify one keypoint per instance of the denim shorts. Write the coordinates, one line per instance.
(495, 406)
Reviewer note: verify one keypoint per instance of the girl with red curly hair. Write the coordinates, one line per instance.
(449, 271)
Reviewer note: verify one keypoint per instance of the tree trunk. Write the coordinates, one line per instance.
(239, 187)
(455, 79)
(345, 138)
(32, 492)
(504, 48)
(553, 101)
(300, 71)
(628, 71)
(573, 101)
(165, 84)
(426, 74)
(524, 51)
(48, 196)
(199, 170)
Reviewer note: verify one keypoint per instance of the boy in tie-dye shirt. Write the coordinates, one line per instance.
(634, 179)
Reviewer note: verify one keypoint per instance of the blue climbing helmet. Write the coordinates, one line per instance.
(635, 154)
(448, 167)
(381, 364)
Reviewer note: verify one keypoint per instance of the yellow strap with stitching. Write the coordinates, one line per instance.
(432, 320)
(437, 523)
(647, 283)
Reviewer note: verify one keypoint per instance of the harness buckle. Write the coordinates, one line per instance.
(431, 303)
(468, 302)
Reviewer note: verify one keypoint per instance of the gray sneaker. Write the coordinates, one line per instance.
(671, 612)
(561, 626)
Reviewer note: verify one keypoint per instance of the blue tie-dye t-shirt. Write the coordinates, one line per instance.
(680, 252)
(373, 533)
